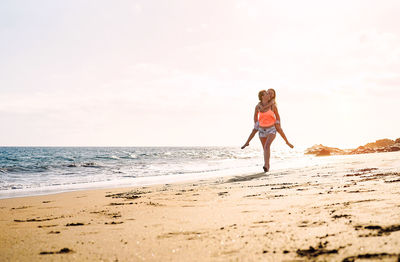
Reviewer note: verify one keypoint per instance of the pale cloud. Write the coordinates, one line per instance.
(378, 50)
(251, 9)
(204, 26)
(391, 80)
(137, 8)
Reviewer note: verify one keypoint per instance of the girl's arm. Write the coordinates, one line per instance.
(256, 114)
(275, 109)
(271, 103)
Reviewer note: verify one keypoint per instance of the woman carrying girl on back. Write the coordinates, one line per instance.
(266, 122)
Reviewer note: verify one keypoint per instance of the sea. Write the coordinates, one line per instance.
(29, 171)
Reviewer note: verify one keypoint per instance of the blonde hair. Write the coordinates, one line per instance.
(273, 99)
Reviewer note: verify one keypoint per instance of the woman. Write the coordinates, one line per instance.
(267, 122)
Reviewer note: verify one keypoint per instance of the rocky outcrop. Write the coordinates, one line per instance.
(382, 145)
(395, 147)
(321, 150)
(362, 150)
(324, 152)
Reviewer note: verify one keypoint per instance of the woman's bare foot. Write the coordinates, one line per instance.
(290, 145)
(247, 144)
(265, 169)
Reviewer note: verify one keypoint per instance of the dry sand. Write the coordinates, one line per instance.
(342, 211)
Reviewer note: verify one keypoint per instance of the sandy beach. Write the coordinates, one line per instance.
(346, 210)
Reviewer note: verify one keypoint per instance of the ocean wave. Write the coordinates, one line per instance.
(11, 159)
(15, 187)
(129, 156)
(91, 164)
(145, 154)
(23, 169)
(113, 157)
(133, 156)
(66, 158)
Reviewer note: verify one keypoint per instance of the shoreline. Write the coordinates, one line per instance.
(335, 211)
(62, 170)
(128, 183)
(293, 166)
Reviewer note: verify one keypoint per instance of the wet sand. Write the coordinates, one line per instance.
(342, 211)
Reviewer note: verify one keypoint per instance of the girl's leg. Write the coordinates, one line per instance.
(267, 150)
(253, 133)
(280, 131)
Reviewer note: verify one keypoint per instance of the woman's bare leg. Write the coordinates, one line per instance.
(266, 143)
(253, 133)
(267, 149)
(280, 131)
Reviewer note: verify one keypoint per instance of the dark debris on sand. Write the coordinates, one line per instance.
(245, 178)
(340, 216)
(380, 230)
(392, 181)
(23, 207)
(36, 219)
(128, 195)
(74, 224)
(113, 223)
(120, 204)
(64, 250)
(372, 256)
(367, 169)
(314, 252)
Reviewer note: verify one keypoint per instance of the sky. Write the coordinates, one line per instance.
(187, 73)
